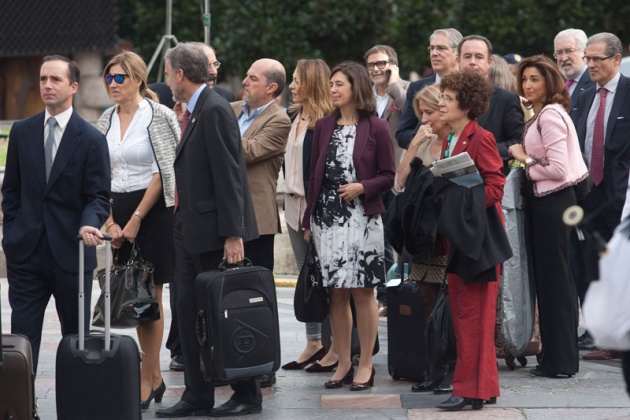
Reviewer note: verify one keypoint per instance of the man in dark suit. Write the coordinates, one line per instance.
(166, 98)
(443, 52)
(602, 120)
(214, 216)
(56, 185)
(568, 50)
(504, 118)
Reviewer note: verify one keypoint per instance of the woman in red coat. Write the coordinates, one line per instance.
(465, 96)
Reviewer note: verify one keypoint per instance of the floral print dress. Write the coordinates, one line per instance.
(349, 243)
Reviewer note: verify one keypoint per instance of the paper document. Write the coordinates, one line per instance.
(459, 169)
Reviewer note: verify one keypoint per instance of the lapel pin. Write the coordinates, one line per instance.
(193, 120)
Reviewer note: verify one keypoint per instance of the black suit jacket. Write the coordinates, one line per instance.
(166, 95)
(409, 122)
(213, 192)
(616, 139)
(76, 195)
(584, 83)
(504, 119)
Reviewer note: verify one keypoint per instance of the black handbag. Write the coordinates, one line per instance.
(310, 302)
(132, 292)
(439, 333)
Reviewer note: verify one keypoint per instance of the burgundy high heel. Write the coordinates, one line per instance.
(339, 383)
(295, 365)
(360, 386)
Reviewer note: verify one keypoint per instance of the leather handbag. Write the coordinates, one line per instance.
(439, 333)
(310, 302)
(133, 300)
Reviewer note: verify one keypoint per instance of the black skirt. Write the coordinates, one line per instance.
(155, 236)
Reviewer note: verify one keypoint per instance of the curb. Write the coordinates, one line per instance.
(285, 282)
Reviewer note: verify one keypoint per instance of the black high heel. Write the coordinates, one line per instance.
(156, 394)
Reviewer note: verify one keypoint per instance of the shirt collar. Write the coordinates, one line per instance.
(611, 86)
(255, 112)
(193, 99)
(62, 118)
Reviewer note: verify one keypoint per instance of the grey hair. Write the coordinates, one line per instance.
(276, 75)
(191, 59)
(577, 34)
(453, 35)
(613, 44)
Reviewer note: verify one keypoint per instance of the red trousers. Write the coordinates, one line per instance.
(474, 312)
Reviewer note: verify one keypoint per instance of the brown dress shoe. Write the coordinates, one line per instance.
(602, 355)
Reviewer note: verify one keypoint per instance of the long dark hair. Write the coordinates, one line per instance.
(557, 92)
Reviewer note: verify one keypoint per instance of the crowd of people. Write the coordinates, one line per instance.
(188, 174)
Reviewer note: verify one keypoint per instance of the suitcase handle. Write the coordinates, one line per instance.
(201, 328)
(224, 265)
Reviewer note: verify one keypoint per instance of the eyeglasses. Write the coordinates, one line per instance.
(560, 53)
(596, 60)
(439, 48)
(118, 78)
(447, 99)
(216, 65)
(380, 64)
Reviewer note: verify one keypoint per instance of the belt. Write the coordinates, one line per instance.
(295, 196)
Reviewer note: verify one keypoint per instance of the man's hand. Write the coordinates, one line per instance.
(179, 112)
(349, 192)
(394, 74)
(233, 250)
(91, 236)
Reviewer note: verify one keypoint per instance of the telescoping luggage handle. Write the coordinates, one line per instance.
(108, 263)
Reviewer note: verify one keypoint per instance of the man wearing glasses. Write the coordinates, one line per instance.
(568, 50)
(389, 91)
(602, 120)
(442, 51)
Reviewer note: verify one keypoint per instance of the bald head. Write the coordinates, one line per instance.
(213, 63)
(265, 81)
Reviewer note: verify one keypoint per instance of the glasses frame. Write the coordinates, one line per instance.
(216, 65)
(119, 78)
(567, 51)
(446, 99)
(380, 64)
(597, 60)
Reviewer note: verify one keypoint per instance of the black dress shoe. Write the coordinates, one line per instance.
(235, 408)
(316, 367)
(453, 403)
(267, 380)
(295, 365)
(183, 409)
(586, 342)
(539, 372)
(446, 389)
(427, 386)
(177, 363)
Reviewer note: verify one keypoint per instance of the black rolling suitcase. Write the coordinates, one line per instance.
(17, 395)
(98, 373)
(406, 350)
(237, 323)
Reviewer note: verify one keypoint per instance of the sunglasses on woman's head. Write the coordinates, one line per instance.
(118, 78)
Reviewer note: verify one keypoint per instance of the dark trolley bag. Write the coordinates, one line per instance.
(237, 322)
(17, 399)
(98, 373)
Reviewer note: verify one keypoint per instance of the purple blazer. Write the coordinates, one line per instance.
(373, 158)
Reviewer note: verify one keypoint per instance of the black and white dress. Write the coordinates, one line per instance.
(349, 242)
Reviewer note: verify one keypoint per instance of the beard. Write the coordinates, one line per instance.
(212, 79)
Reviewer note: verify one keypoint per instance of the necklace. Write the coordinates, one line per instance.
(447, 152)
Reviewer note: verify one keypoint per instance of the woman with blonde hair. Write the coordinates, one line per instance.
(311, 101)
(141, 136)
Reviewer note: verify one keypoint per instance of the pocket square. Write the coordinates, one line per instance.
(621, 118)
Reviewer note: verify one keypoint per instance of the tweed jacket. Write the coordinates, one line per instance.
(264, 143)
(550, 139)
(164, 134)
(397, 92)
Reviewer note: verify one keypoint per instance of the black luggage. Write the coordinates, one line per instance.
(17, 396)
(406, 350)
(98, 373)
(237, 322)
(355, 346)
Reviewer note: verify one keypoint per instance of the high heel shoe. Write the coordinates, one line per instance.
(339, 383)
(360, 386)
(295, 365)
(156, 394)
(317, 367)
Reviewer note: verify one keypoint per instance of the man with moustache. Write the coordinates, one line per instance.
(568, 50)
(443, 52)
(504, 118)
(602, 121)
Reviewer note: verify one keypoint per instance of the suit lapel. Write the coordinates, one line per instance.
(464, 138)
(67, 146)
(388, 109)
(193, 120)
(259, 121)
(360, 140)
(620, 99)
(585, 102)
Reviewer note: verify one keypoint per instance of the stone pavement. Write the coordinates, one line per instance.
(597, 392)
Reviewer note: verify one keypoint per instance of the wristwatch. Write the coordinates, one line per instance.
(529, 161)
(137, 213)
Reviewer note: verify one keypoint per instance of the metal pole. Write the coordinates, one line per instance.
(206, 22)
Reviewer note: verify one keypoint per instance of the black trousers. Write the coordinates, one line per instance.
(260, 251)
(187, 267)
(31, 284)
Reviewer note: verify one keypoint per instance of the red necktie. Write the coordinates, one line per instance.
(597, 153)
(569, 83)
(185, 119)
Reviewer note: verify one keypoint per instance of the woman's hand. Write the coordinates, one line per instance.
(117, 237)
(307, 235)
(517, 152)
(351, 191)
(130, 232)
(424, 133)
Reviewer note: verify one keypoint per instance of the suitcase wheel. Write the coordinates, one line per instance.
(392, 373)
(355, 359)
(522, 360)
